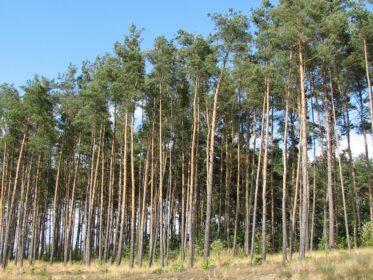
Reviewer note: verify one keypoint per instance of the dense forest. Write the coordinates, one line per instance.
(232, 139)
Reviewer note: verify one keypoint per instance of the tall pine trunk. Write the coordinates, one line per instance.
(264, 175)
(118, 257)
(253, 230)
(10, 207)
(206, 250)
(304, 162)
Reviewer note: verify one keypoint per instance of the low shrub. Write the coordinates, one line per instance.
(367, 234)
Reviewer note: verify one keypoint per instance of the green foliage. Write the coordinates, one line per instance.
(12, 117)
(321, 245)
(199, 243)
(129, 72)
(258, 243)
(54, 116)
(207, 264)
(240, 252)
(257, 260)
(340, 242)
(31, 271)
(41, 272)
(159, 270)
(177, 266)
(38, 103)
(103, 269)
(231, 31)
(217, 247)
(367, 234)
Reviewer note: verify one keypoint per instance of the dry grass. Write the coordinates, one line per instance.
(337, 264)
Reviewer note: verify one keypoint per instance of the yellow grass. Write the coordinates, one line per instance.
(336, 264)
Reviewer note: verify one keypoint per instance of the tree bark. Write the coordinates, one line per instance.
(264, 175)
(54, 213)
(206, 251)
(9, 219)
(303, 144)
(253, 230)
(118, 257)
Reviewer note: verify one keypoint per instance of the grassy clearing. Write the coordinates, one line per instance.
(337, 264)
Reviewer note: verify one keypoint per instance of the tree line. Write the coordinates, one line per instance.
(236, 136)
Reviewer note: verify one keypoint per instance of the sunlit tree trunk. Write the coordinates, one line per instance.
(253, 230)
(118, 257)
(10, 206)
(54, 213)
(264, 174)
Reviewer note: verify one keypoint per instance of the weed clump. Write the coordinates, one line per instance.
(207, 264)
(177, 266)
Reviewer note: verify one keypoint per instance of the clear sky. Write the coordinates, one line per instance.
(43, 36)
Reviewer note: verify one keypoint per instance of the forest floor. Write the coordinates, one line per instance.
(336, 264)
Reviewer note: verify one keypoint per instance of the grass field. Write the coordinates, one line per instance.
(336, 264)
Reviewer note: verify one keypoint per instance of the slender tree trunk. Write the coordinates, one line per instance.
(109, 221)
(368, 79)
(161, 235)
(183, 202)
(20, 211)
(192, 171)
(248, 181)
(91, 198)
(54, 213)
(340, 165)
(330, 166)
(253, 230)
(118, 257)
(303, 144)
(206, 251)
(367, 161)
(356, 206)
(73, 205)
(23, 228)
(228, 183)
(35, 212)
(314, 181)
(265, 163)
(143, 210)
(152, 198)
(2, 194)
(284, 179)
(101, 210)
(236, 220)
(133, 189)
(9, 219)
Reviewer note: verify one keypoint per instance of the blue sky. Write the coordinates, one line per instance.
(38, 37)
(43, 36)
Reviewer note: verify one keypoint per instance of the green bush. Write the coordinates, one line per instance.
(257, 260)
(177, 266)
(31, 271)
(340, 242)
(104, 269)
(42, 272)
(240, 252)
(217, 247)
(367, 234)
(206, 264)
(258, 243)
(321, 245)
(158, 270)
